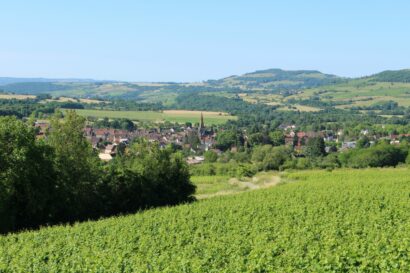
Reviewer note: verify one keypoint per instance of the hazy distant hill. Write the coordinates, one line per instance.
(278, 79)
(303, 90)
(11, 80)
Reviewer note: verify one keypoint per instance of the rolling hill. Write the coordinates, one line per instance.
(278, 80)
(302, 90)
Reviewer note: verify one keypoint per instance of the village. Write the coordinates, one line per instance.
(199, 139)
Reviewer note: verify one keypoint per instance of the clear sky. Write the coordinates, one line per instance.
(142, 40)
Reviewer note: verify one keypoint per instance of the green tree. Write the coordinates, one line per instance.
(78, 169)
(276, 158)
(315, 147)
(258, 138)
(210, 156)
(277, 138)
(127, 124)
(363, 142)
(26, 179)
(225, 139)
(147, 176)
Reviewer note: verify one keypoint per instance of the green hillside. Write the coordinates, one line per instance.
(340, 221)
(299, 90)
(393, 76)
(277, 80)
(358, 92)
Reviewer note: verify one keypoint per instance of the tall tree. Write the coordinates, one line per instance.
(277, 138)
(78, 168)
(26, 179)
(315, 147)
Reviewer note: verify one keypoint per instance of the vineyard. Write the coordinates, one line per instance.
(317, 221)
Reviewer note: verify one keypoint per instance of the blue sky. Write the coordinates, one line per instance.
(199, 40)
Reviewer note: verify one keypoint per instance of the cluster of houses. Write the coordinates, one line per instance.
(299, 138)
(107, 140)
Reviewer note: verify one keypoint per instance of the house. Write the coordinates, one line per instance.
(364, 132)
(42, 128)
(302, 138)
(348, 145)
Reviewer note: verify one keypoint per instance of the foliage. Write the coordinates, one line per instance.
(226, 139)
(393, 76)
(381, 155)
(123, 123)
(26, 179)
(61, 179)
(339, 221)
(210, 156)
(277, 138)
(315, 147)
(268, 157)
(78, 170)
(146, 176)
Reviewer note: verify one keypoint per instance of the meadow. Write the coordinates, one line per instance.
(317, 221)
(179, 116)
(355, 93)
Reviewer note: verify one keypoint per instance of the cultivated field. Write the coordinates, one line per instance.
(360, 92)
(68, 99)
(179, 116)
(18, 97)
(320, 221)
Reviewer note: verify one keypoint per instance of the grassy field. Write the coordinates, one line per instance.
(319, 221)
(358, 90)
(179, 116)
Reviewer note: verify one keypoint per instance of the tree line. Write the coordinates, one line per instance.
(60, 179)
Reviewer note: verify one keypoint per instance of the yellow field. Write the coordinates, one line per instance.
(18, 97)
(185, 113)
(179, 116)
(301, 108)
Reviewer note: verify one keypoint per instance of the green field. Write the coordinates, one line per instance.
(179, 116)
(319, 221)
(361, 91)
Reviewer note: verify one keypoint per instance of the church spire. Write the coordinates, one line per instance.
(202, 121)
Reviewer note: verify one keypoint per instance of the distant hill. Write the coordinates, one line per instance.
(297, 90)
(11, 80)
(392, 76)
(278, 79)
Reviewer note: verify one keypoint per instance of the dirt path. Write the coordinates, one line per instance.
(257, 182)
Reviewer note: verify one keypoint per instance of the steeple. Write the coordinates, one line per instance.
(202, 126)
